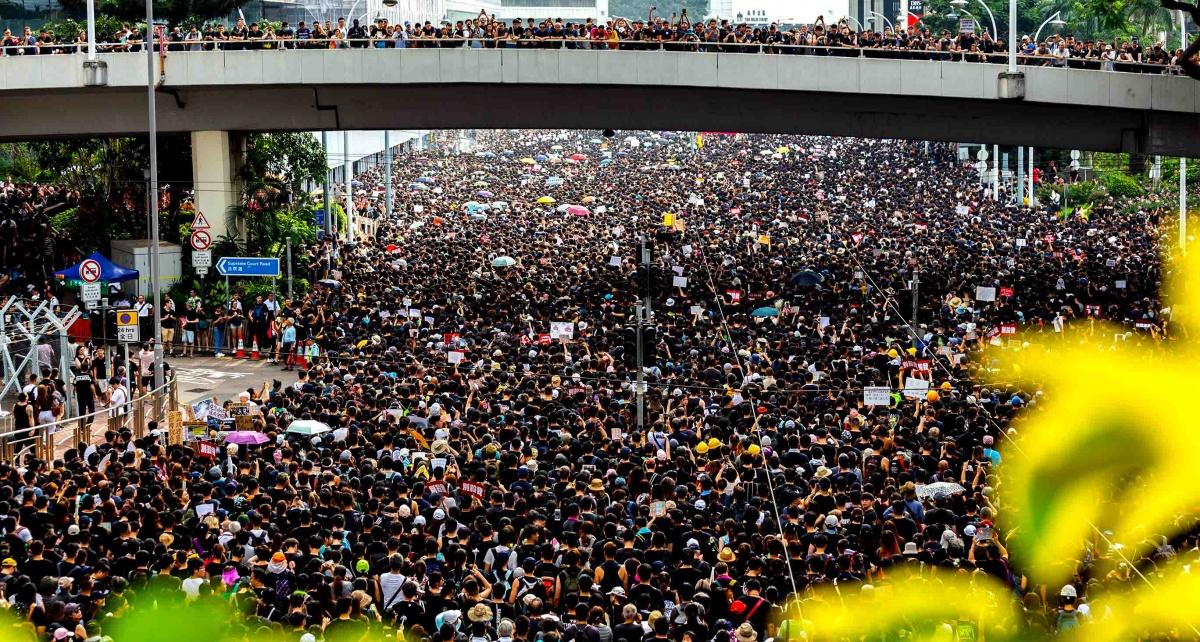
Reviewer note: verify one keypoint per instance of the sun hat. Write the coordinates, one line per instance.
(726, 555)
(745, 633)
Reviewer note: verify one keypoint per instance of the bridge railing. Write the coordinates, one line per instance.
(135, 414)
(585, 44)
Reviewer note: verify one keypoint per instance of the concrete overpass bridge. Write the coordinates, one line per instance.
(212, 94)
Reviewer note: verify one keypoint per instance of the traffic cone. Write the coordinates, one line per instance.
(241, 350)
(254, 351)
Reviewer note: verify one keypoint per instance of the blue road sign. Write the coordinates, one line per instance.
(248, 266)
(319, 218)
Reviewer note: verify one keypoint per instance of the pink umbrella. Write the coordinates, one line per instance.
(578, 210)
(247, 437)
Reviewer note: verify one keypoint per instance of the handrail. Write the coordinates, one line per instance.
(134, 413)
(588, 44)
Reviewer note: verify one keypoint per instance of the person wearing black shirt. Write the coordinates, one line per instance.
(357, 35)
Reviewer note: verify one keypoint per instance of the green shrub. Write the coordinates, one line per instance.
(1121, 185)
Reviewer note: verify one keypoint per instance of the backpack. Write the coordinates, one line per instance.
(1067, 621)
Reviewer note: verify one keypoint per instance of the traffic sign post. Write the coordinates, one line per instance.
(89, 271)
(127, 326)
(248, 266)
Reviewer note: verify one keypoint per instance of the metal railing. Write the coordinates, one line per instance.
(588, 44)
(45, 439)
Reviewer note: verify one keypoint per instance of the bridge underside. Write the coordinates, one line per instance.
(120, 111)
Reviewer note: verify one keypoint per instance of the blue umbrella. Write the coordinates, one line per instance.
(418, 186)
(425, 179)
(540, 157)
(596, 141)
(484, 194)
(765, 312)
(605, 161)
(622, 153)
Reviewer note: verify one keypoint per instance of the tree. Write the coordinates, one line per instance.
(173, 11)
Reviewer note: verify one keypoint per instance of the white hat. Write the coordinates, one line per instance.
(439, 514)
(1069, 591)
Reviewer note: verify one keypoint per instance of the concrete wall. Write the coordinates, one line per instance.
(323, 89)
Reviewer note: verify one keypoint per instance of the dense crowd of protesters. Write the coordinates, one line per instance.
(486, 478)
(655, 33)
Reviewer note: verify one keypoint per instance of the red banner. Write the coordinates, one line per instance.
(544, 339)
(1006, 292)
(474, 489)
(734, 295)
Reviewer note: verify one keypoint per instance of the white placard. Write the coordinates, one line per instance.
(679, 282)
(687, 250)
(562, 329)
(437, 462)
(985, 294)
(414, 312)
(1120, 285)
(962, 210)
(616, 434)
(915, 388)
(677, 269)
(202, 258)
(614, 261)
(823, 322)
(454, 356)
(418, 208)
(877, 396)
(1020, 242)
(407, 302)
(1110, 263)
(695, 309)
(90, 292)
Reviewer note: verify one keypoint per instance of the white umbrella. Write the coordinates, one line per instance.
(308, 427)
(939, 488)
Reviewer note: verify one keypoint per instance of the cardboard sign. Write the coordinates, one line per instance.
(174, 427)
(195, 429)
(877, 396)
(241, 416)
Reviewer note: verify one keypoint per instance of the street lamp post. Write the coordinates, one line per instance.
(152, 131)
(1183, 161)
(1053, 20)
(884, 18)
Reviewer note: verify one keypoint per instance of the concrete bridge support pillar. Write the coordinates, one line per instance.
(217, 160)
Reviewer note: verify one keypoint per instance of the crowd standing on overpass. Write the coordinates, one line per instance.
(486, 478)
(843, 38)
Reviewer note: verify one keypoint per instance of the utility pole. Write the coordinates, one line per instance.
(325, 187)
(1020, 176)
(348, 168)
(916, 288)
(289, 260)
(643, 310)
(152, 131)
(387, 173)
(1183, 161)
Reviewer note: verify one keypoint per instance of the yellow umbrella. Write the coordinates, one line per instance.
(528, 161)
(546, 200)
(782, 149)
(589, 199)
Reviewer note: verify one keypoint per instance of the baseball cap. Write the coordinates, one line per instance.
(62, 634)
